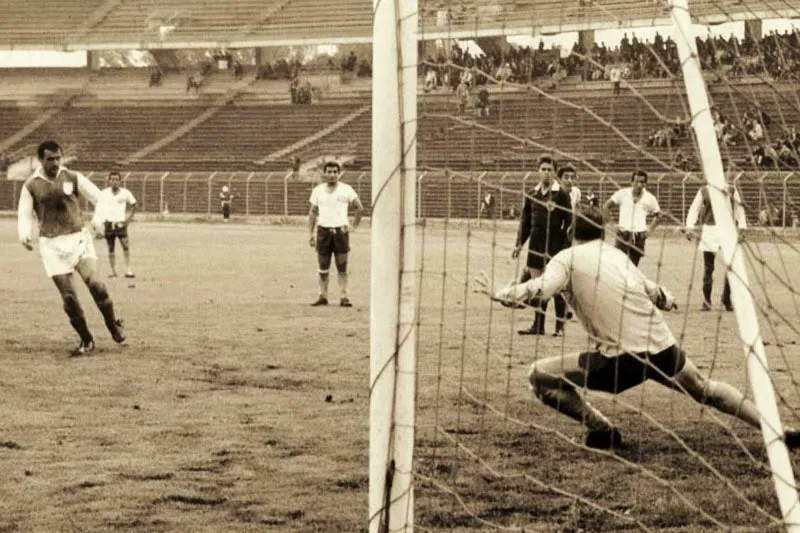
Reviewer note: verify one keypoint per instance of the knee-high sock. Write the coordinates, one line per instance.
(76, 318)
(323, 284)
(104, 304)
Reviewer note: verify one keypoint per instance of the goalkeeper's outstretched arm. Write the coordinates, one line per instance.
(552, 281)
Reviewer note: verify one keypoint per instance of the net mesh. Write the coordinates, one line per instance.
(489, 455)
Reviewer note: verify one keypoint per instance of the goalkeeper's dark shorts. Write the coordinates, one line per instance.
(333, 240)
(622, 372)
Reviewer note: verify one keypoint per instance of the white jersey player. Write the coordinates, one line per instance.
(51, 195)
(621, 310)
(114, 211)
(700, 212)
(330, 229)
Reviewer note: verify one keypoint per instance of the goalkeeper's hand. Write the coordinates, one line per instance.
(503, 296)
(663, 299)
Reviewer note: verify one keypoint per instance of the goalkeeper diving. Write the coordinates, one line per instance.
(622, 312)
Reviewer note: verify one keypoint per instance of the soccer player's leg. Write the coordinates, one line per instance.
(324, 254)
(341, 249)
(124, 242)
(718, 394)
(555, 381)
(708, 278)
(535, 263)
(74, 311)
(111, 241)
(87, 268)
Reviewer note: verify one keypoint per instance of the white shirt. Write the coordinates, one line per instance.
(610, 296)
(694, 210)
(112, 207)
(615, 75)
(633, 214)
(333, 205)
(575, 196)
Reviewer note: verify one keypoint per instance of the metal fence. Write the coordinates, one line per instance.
(439, 194)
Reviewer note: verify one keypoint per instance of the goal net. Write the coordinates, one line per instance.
(601, 87)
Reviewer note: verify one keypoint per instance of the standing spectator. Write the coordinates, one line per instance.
(487, 206)
(615, 75)
(225, 202)
(462, 93)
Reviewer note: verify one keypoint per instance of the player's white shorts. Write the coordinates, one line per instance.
(61, 254)
(709, 239)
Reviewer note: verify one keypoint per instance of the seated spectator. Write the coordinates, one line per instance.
(430, 80)
(194, 81)
(155, 77)
(756, 132)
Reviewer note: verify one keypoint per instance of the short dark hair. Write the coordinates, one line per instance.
(52, 146)
(114, 173)
(637, 173)
(566, 168)
(546, 159)
(589, 224)
(334, 164)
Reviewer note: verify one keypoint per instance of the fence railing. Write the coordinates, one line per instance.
(439, 194)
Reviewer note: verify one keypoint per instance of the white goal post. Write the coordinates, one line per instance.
(744, 308)
(393, 270)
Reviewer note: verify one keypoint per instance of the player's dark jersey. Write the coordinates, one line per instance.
(545, 217)
(56, 204)
(225, 198)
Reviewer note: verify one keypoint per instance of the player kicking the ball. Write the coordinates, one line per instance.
(621, 310)
(330, 229)
(51, 195)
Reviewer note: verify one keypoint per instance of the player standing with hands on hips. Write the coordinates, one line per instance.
(51, 195)
(114, 210)
(329, 226)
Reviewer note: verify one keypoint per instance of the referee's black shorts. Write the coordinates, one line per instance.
(333, 240)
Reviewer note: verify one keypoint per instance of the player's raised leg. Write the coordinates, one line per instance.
(718, 394)
(87, 268)
(74, 311)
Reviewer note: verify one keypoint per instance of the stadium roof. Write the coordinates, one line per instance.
(143, 24)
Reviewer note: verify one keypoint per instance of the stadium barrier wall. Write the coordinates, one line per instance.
(456, 195)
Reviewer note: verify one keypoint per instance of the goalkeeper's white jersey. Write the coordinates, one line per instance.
(610, 296)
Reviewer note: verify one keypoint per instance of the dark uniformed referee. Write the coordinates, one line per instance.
(546, 216)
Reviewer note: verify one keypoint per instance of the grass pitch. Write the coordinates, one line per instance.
(236, 407)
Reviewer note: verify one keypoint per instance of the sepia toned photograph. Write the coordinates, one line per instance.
(378, 266)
